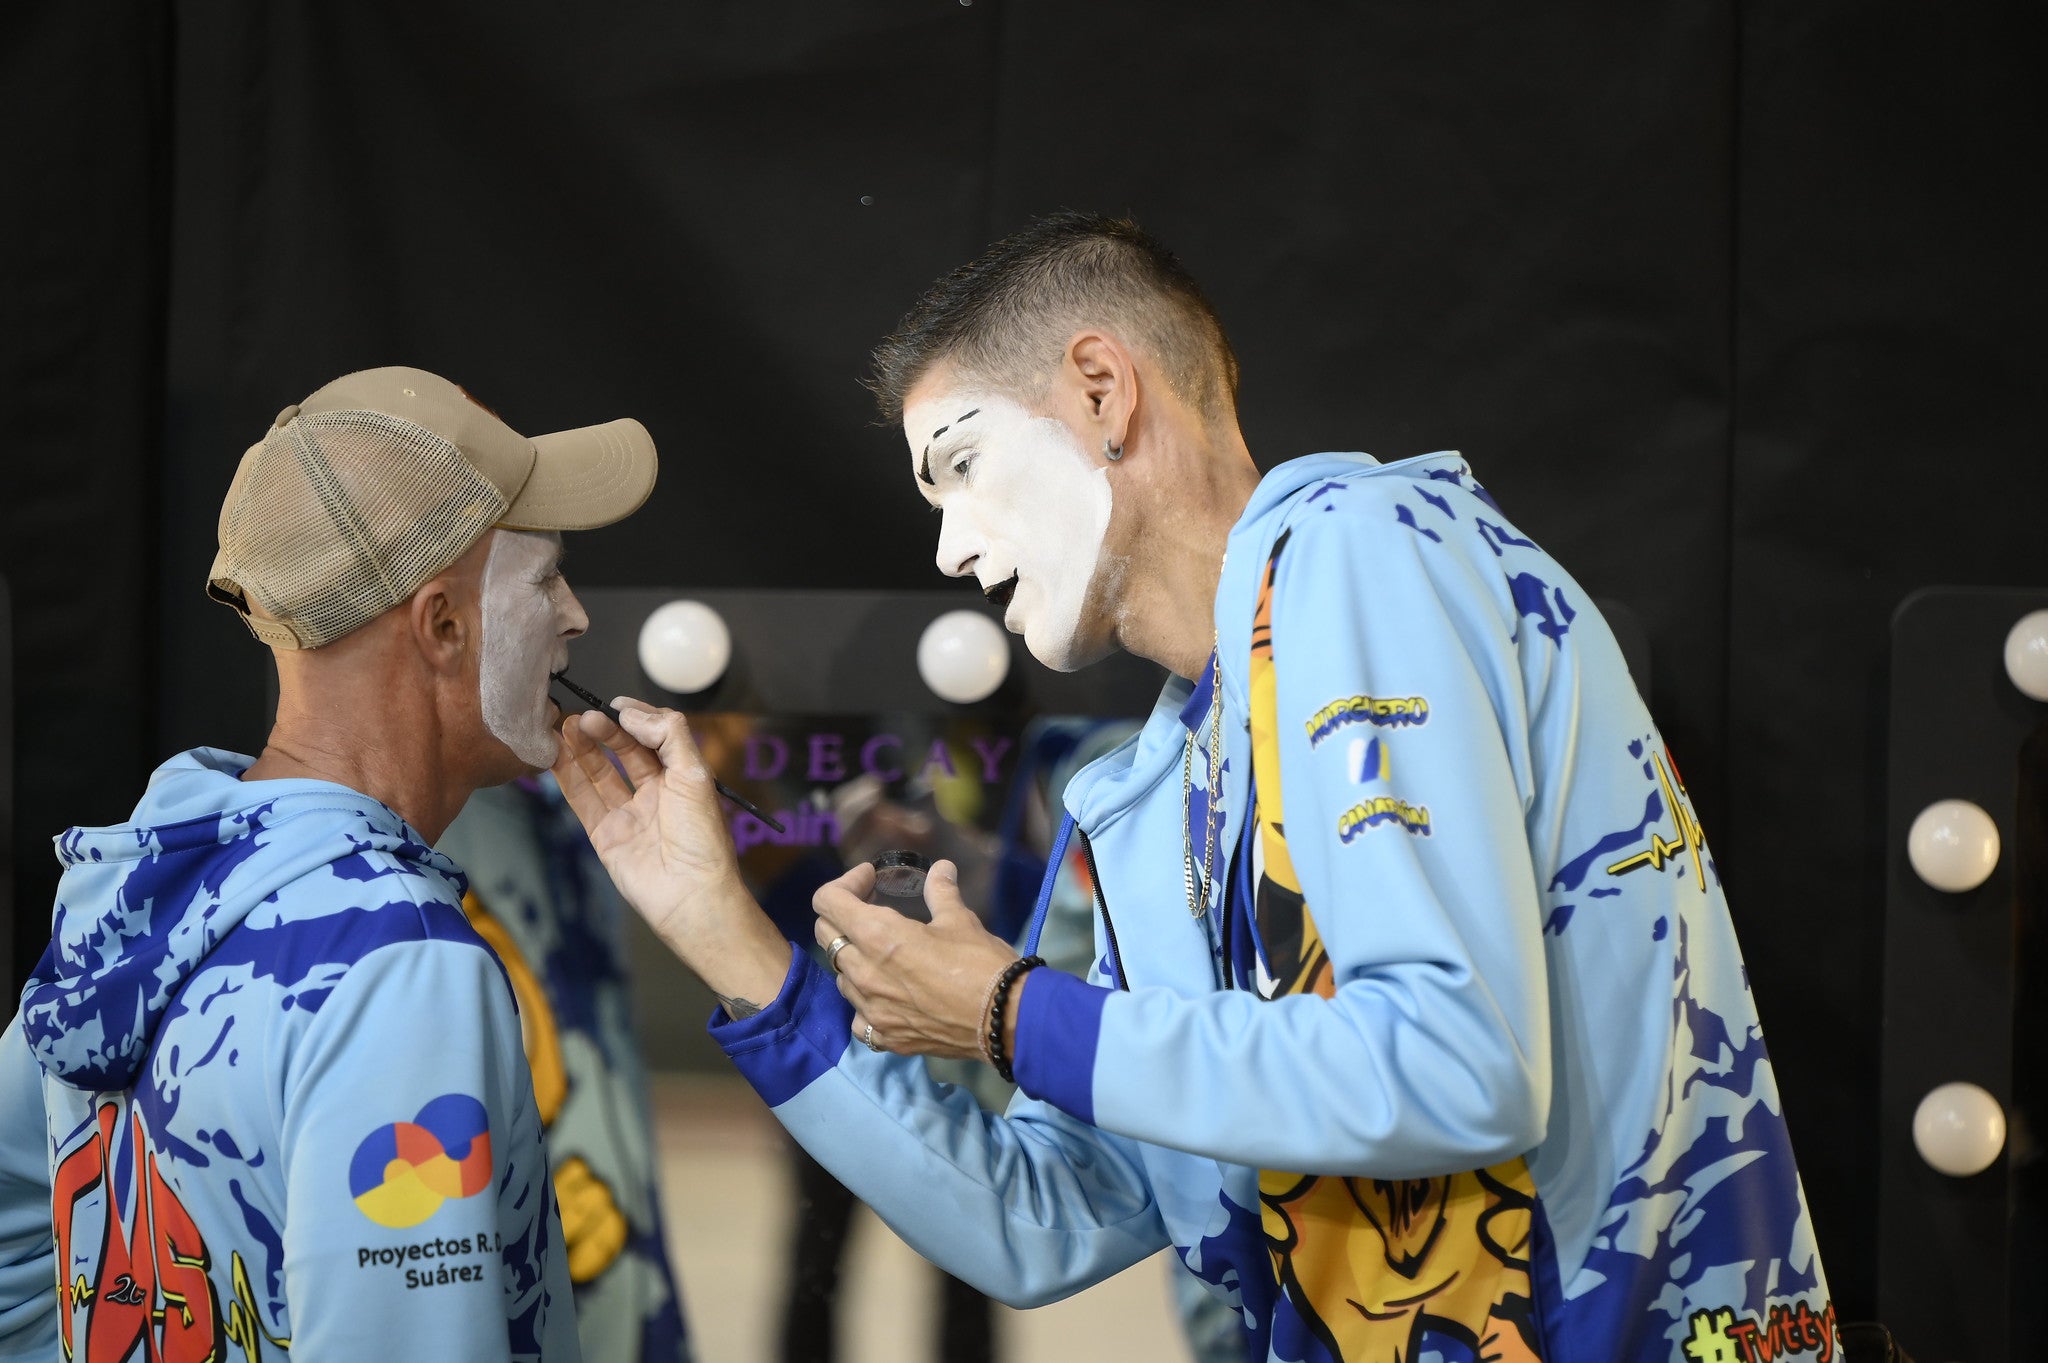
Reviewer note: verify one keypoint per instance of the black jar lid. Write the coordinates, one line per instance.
(900, 872)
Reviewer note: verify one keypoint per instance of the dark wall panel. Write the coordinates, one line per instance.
(1890, 435)
(579, 213)
(1499, 230)
(83, 223)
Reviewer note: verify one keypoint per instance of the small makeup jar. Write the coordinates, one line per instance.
(899, 884)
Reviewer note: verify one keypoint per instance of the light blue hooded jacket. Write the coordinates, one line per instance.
(278, 1098)
(1530, 1117)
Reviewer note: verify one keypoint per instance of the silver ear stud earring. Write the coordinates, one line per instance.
(1112, 452)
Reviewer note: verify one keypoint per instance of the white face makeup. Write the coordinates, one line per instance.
(528, 611)
(1023, 504)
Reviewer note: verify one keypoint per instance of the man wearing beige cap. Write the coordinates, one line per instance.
(280, 1077)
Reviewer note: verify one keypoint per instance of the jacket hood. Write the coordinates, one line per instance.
(141, 904)
(1251, 543)
(1104, 789)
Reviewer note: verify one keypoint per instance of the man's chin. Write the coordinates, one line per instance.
(546, 746)
(1068, 653)
(535, 754)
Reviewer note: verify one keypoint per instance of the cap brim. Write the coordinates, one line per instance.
(585, 478)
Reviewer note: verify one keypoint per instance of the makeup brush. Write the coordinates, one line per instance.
(590, 698)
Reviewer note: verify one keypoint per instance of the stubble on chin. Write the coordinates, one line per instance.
(1096, 635)
(1061, 659)
(553, 744)
(1107, 609)
(537, 738)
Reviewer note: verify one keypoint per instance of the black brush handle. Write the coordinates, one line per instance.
(587, 697)
(590, 698)
(748, 805)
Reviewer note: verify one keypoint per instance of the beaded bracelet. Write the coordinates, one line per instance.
(992, 1015)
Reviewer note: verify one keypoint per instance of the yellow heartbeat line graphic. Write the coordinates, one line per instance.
(1690, 836)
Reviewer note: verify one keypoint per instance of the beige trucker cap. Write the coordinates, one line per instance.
(383, 478)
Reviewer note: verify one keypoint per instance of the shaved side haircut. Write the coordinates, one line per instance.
(1005, 318)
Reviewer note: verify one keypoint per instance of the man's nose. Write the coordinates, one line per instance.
(958, 548)
(570, 613)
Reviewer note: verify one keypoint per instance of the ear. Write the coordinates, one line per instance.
(1100, 371)
(443, 634)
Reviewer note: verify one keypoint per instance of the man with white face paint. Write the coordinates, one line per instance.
(529, 615)
(1454, 1058)
(1028, 508)
(279, 1076)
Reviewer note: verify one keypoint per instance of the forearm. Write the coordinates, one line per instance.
(1386, 1080)
(730, 943)
(1029, 1207)
(998, 1202)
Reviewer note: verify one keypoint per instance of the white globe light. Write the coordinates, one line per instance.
(684, 646)
(2026, 655)
(1959, 1129)
(963, 656)
(1953, 845)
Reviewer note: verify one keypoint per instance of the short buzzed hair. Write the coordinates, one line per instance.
(1005, 317)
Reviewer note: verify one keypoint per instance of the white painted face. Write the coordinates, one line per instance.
(1022, 504)
(529, 616)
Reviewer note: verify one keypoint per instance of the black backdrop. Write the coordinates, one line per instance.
(1736, 306)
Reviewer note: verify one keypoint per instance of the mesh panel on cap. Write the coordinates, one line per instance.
(345, 514)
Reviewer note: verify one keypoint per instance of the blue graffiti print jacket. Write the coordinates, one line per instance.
(1458, 1061)
(279, 1101)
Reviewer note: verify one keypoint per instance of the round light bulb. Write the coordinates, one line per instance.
(963, 656)
(684, 646)
(2026, 655)
(1953, 845)
(1959, 1129)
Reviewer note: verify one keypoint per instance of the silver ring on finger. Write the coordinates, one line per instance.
(838, 944)
(869, 1038)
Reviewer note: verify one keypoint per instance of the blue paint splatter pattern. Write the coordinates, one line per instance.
(1705, 1212)
(1702, 1225)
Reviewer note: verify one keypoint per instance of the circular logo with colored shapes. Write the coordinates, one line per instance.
(404, 1171)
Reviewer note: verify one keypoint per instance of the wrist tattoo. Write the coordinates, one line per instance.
(738, 1008)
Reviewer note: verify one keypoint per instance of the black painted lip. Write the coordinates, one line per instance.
(1001, 593)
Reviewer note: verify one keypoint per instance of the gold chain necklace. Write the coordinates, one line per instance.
(1198, 895)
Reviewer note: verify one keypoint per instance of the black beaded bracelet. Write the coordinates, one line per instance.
(998, 999)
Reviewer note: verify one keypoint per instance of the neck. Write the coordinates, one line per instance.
(390, 751)
(1167, 609)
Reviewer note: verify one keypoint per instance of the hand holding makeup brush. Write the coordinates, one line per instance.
(661, 833)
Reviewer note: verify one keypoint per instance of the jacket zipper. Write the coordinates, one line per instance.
(1229, 970)
(1240, 895)
(1116, 957)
